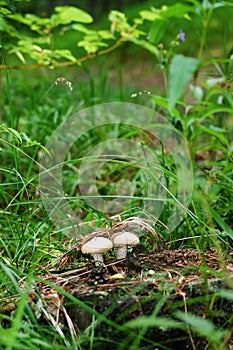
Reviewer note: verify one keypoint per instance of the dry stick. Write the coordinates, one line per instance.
(56, 326)
(67, 63)
(227, 339)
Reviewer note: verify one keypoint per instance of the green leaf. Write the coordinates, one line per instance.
(105, 34)
(227, 294)
(117, 16)
(34, 22)
(157, 30)
(226, 3)
(138, 21)
(16, 134)
(178, 10)
(119, 22)
(22, 19)
(222, 223)
(145, 44)
(152, 321)
(217, 132)
(181, 71)
(81, 28)
(149, 15)
(202, 326)
(65, 54)
(162, 102)
(20, 56)
(4, 11)
(68, 14)
(91, 47)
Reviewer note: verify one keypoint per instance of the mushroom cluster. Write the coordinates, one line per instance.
(99, 244)
(122, 235)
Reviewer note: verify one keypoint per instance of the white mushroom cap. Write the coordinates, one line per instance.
(124, 238)
(96, 245)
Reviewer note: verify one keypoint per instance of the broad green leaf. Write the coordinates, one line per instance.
(181, 71)
(157, 30)
(68, 14)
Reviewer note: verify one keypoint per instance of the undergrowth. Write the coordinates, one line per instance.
(35, 103)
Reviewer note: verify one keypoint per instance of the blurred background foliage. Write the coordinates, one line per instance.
(95, 7)
(34, 102)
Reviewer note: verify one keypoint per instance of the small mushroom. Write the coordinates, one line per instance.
(97, 246)
(123, 239)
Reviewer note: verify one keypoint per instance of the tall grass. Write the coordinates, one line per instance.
(32, 107)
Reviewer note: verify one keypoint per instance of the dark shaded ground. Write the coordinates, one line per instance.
(182, 279)
(121, 291)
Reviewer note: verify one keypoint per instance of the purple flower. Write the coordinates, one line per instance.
(182, 35)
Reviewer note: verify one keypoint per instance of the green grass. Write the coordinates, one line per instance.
(33, 106)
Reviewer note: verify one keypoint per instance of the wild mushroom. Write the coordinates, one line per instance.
(123, 239)
(97, 246)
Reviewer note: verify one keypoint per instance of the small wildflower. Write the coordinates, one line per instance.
(135, 94)
(182, 35)
(161, 46)
(64, 80)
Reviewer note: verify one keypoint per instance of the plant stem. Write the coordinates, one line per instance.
(8, 91)
(79, 61)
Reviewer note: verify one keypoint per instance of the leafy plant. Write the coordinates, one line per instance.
(196, 100)
(39, 42)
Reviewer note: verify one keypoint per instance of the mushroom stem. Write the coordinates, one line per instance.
(124, 239)
(122, 252)
(98, 258)
(96, 245)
